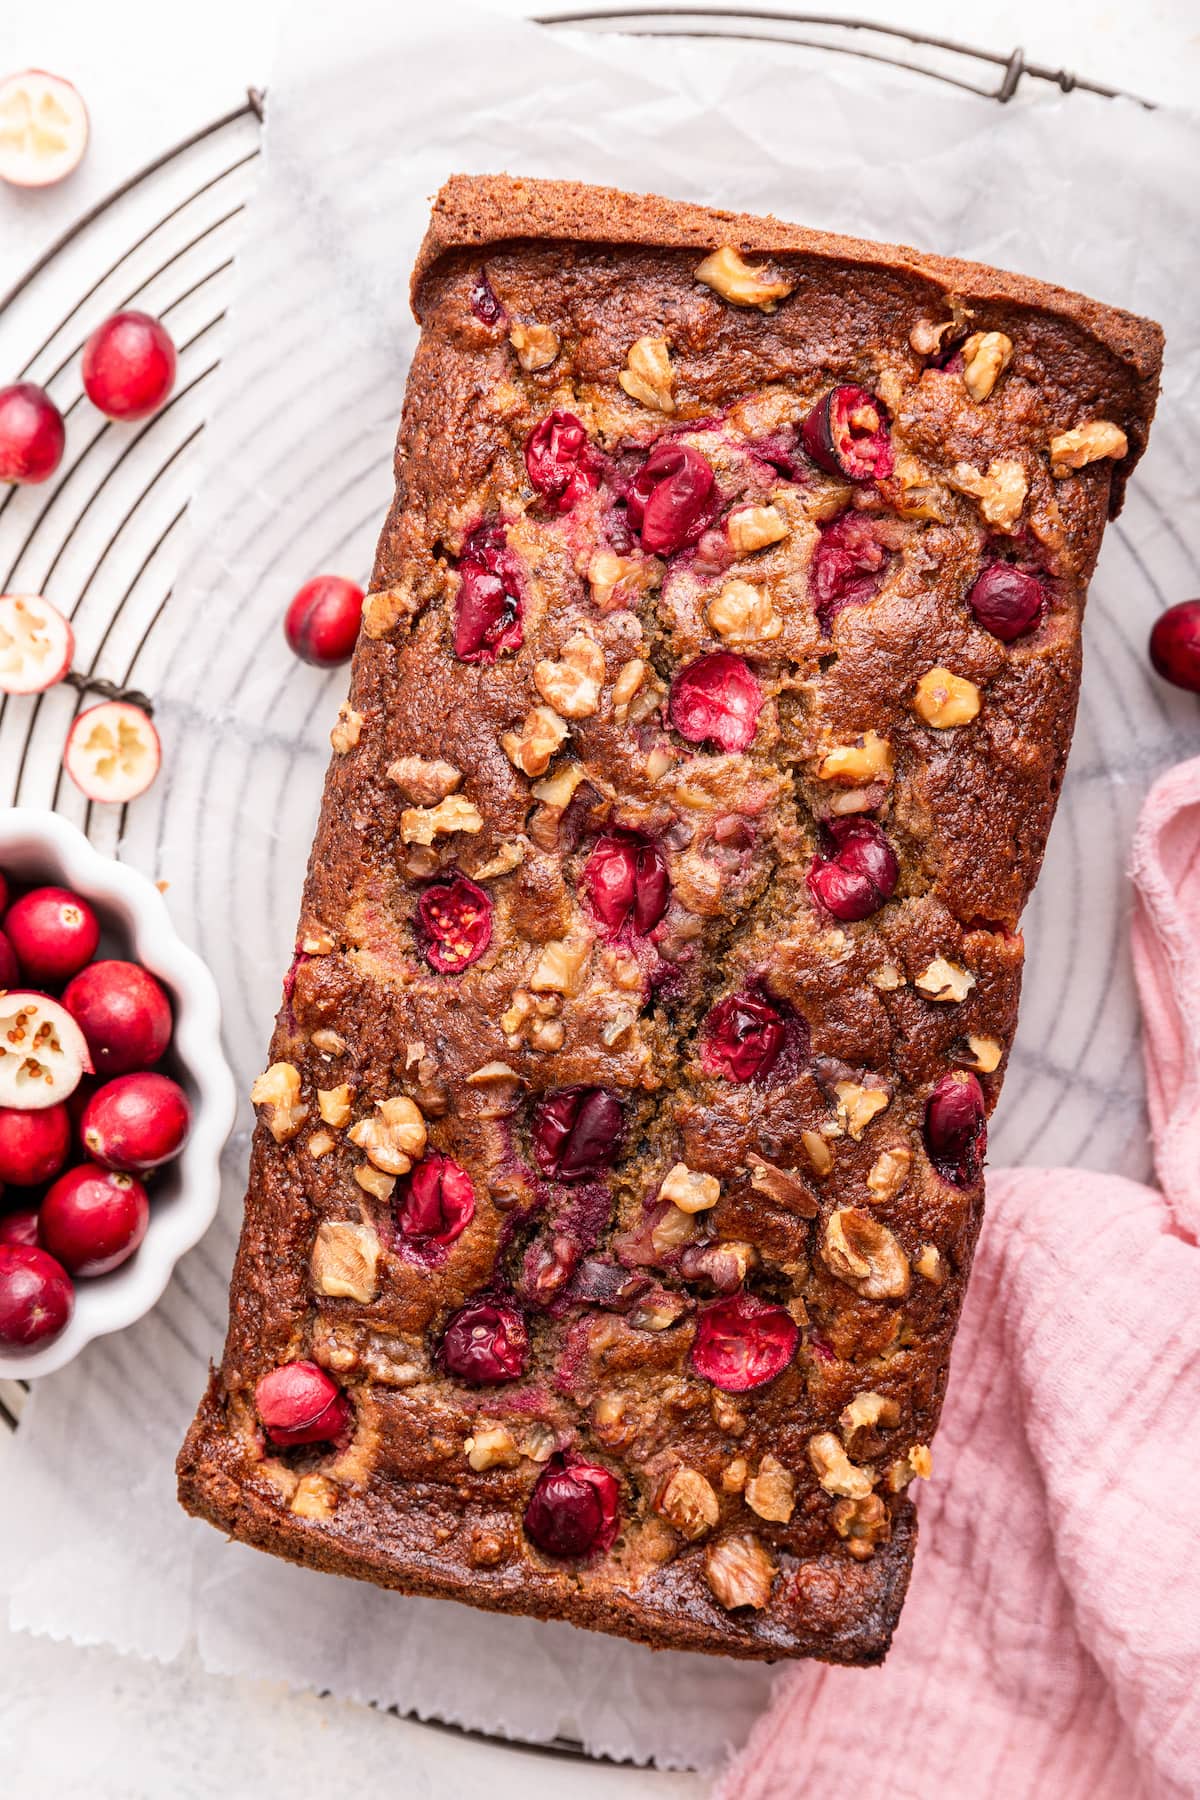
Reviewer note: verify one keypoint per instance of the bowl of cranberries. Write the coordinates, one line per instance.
(115, 1097)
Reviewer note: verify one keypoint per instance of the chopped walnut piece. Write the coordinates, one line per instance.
(785, 1189)
(740, 1571)
(393, 1136)
(835, 1472)
(752, 528)
(944, 981)
(572, 684)
(329, 1043)
(1000, 493)
(316, 943)
(531, 748)
(320, 1144)
(735, 1475)
(919, 494)
(424, 782)
(278, 1091)
(920, 1461)
(507, 858)
(926, 337)
(727, 1416)
(420, 825)
(772, 1492)
(691, 1191)
(648, 376)
(742, 614)
(621, 581)
(863, 1523)
(1071, 450)
(817, 1151)
(863, 1253)
(563, 964)
(889, 1172)
(347, 730)
(630, 677)
(658, 1311)
(345, 1260)
(867, 1410)
(374, 1181)
(383, 611)
(674, 1229)
(333, 1104)
(537, 1442)
(929, 1264)
(315, 1497)
(944, 700)
(728, 274)
(986, 1053)
(491, 1446)
(687, 1500)
(858, 1105)
(536, 346)
(612, 1422)
(858, 764)
(887, 978)
(556, 790)
(986, 355)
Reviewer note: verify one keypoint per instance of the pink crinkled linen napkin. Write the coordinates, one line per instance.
(1050, 1646)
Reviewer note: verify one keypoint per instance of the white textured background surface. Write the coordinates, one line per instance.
(136, 1728)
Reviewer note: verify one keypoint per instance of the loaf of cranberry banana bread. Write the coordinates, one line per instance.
(619, 1161)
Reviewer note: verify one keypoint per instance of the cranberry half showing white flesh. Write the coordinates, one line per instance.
(36, 644)
(43, 1053)
(113, 752)
(43, 128)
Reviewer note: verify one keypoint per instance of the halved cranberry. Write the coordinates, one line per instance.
(626, 883)
(848, 565)
(438, 1200)
(846, 434)
(456, 917)
(576, 1132)
(299, 1404)
(716, 699)
(485, 1342)
(484, 304)
(574, 1508)
(1007, 601)
(859, 871)
(743, 1036)
(561, 463)
(743, 1343)
(1175, 645)
(671, 498)
(487, 616)
(956, 1128)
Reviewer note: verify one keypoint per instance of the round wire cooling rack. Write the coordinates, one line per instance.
(103, 538)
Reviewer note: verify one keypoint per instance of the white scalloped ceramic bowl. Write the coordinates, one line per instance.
(42, 847)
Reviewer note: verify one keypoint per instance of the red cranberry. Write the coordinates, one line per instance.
(123, 1013)
(32, 433)
(485, 1342)
(33, 1145)
(743, 1036)
(716, 699)
(846, 434)
(456, 918)
(3, 892)
(574, 1508)
(848, 565)
(561, 463)
(36, 1297)
(321, 624)
(743, 1342)
(487, 616)
(626, 883)
(299, 1404)
(1175, 645)
(54, 932)
(438, 1202)
(956, 1128)
(671, 498)
(10, 974)
(1007, 601)
(19, 1227)
(484, 304)
(576, 1132)
(129, 365)
(859, 872)
(136, 1122)
(93, 1219)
